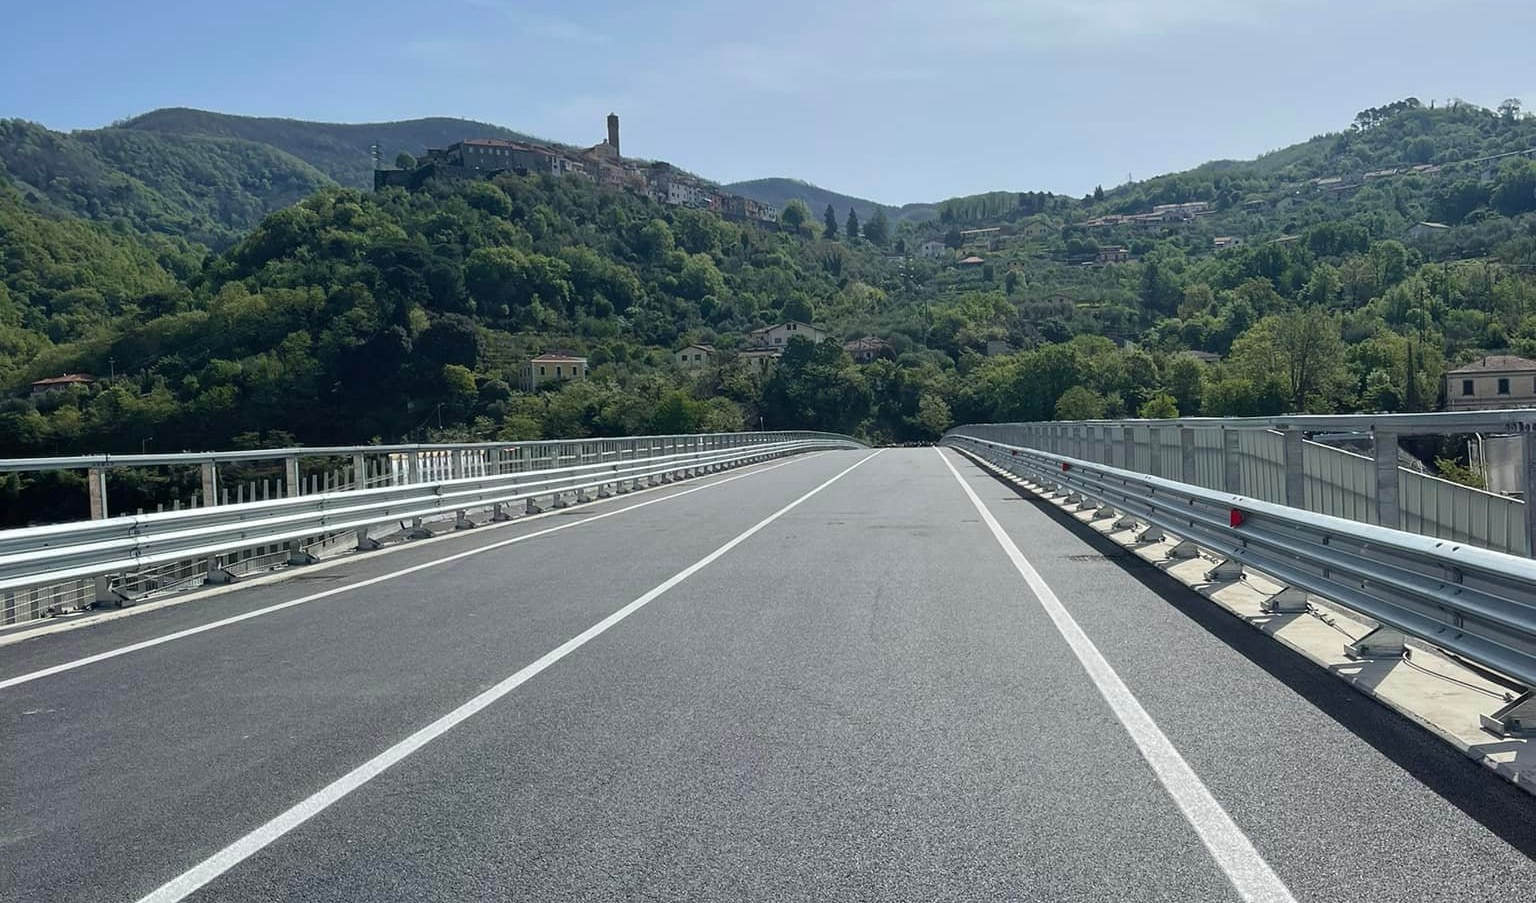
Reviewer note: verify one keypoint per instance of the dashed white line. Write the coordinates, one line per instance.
(324, 594)
(1250, 874)
(189, 881)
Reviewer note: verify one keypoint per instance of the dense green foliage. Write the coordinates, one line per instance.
(780, 192)
(353, 315)
(207, 190)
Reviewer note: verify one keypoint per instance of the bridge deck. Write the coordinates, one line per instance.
(861, 700)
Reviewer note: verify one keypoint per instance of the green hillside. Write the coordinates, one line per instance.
(207, 190)
(781, 191)
(341, 151)
(353, 315)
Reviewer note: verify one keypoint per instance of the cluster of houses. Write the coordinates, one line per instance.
(482, 158)
(1160, 215)
(766, 345)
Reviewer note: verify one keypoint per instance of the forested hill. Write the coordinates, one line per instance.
(779, 192)
(208, 190)
(340, 150)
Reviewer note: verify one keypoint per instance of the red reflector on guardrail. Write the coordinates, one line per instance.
(1065, 466)
(1237, 518)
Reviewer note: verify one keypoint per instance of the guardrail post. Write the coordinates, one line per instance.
(1128, 459)
(1385, 456)
(210, 474)
(96, 490)
(290, 478)
(1231, 462)
(1187, 468)
(1529, 446)
(359, 471)
(1293, 446)
(1154, 451)
(413, 466)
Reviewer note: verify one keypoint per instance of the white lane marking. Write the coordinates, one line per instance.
(219, 863)
(323, 594)
(1249, 873)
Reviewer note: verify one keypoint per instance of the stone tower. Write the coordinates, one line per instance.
(613, 132)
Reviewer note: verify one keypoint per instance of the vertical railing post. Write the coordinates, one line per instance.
(1528, 445)
(1293, 449)
(1385, 458)
(359, 470)
(96, 492)
(291, 477)
(1128, 459)
(210, 481)
(1155, 451)
(1231, 461)
(1188, 472)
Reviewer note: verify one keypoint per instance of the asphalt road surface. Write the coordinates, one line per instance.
(840, 677)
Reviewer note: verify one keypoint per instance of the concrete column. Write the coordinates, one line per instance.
(96, 489)
(359, 471)
(210, 473)
(1155, 451)
(456, 464)
(413, 466)
(291, 486)
(1189, 473)
(1529, 445)
(1294, 445)
(1385, 457)
(1231, 464)
(1128, 454)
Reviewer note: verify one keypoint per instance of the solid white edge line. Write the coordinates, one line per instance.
(219, 863)
(1234, 853)
(73, 664)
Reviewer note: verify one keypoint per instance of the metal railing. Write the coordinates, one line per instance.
(1475, 603)
(373, 465)
(1272, 459)
(117, 555)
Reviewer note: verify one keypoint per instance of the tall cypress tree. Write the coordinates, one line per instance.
(831, 219)
(853, 224)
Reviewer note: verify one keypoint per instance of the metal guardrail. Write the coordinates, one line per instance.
(1272, 459)
(101, 550)
(1474, 603)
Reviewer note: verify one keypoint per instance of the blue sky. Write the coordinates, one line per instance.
(895, 100)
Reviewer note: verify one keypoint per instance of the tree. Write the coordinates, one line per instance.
(404, 160)
(795, 215)
(830, 218)
(953, 239)
(1302, 350)
(853, 231)
(1161, 406)
(878, 229)
(1098, 193)
(1509, 110)
(1080, 403)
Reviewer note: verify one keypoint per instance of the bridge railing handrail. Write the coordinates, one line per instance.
(34, 556)
(1474, 602)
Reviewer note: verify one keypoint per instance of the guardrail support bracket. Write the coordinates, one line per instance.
(297, 554)
(1126, 522)
(603, 492)
(461, 521)
(1104, 513)
(366, 543)
(1517, 719)
(107, 594)
(1185, 549)
(1074, 499)
(1226, 569)
(1288, 601)
(1383, 642)
(499, 513)
(218, 574)
(533, 507)
(1151, 534)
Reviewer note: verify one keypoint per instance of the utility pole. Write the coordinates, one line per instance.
(112, 368)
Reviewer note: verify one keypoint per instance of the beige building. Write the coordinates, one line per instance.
(60, 383)
(1496, 381)
(760, 359)
(867, 349)
(694, 357)
(779, 336)
(550, 368)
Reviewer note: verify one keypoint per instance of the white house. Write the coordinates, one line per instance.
(933, 249)
(779, 336)
(694, 357)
